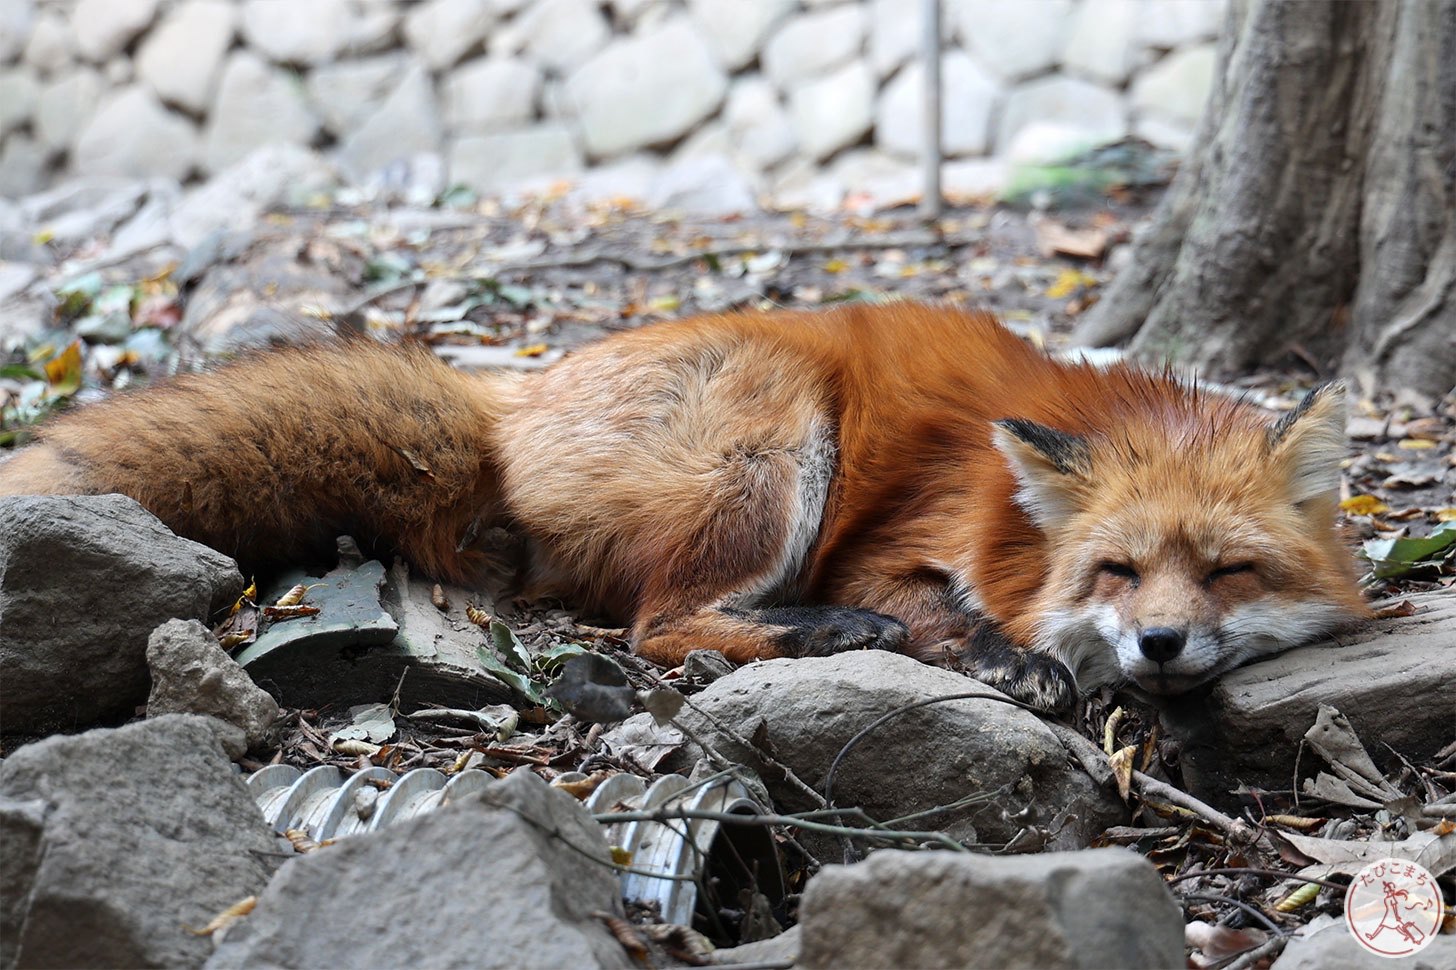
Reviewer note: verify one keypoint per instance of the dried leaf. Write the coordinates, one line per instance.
(356, 748)
(1415, 444)
(1363, 505)
(532, 350)
(663, 703)
(1302, 896)
(581, 788)
(295, 595)
(1218, 943)
(63, 373)
(625, 933)
(1069, 281)
(280, 613)
(594, 689)
(1395, 610)
(227, 917)
(301, 841)
(1121, 762)
(438, 599)
(1436, 852)
(1055, 239)
(478, 616)
(621, 856)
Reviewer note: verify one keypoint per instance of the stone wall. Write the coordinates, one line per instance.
(805, 97)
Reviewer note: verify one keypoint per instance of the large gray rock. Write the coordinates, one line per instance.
(1334, 948)
(181, 58)
(490, 163)
(440, 32)
(1097, 908)
(814, 43)
(345, 94)
(525, 899)
(1088, 113)
(298, 33)
(736, 28)
(806, 710)
(833, 111)
(560, 34)
(998, 36)
(63, 106)
(191, 674)
(1394, 679)
(83, 582)
(132, 134)
(406, 124)
(51, 45)
(1101, 43)
(257, 104)
(968, 96)
(757, 122)
(1177, 86)
(104, 27)
(144, 831)
(491, 93)
(647, 89)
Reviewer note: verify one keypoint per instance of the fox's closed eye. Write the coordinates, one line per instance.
(1234, 569)
(1119, 569)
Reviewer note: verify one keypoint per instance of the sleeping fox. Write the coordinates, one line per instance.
(898, 477)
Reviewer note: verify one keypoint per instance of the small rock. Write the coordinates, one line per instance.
(346, 93)
(63, 107)
(257, 104)
(191, 674)
(1334, 948)
(146, 830)
(51, 45)
(833, 111)
(406, 124)
(1093, 114)
(1177, 136)
(103, 28)
(1096, 908)
(1000, 38)
(1101, 44)
(490, 163)
(967, 99)
(646, 89)
(973, 178)
(544, 876)
(814, 43)
(736, 29)
(806, 710)
(83, 582)
(706, 185)
(491, 93)
(440, 32)
(182, 57)
(783, 948)
(132, 134)
(1177, 86)
(1392, 678)
(757, 123)
(298, 33)
(18, 93)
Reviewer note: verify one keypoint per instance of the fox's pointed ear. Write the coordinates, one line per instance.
(1050, 465)
(1310, 442)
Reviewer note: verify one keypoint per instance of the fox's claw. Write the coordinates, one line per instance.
(1035, 678)
(821, 631)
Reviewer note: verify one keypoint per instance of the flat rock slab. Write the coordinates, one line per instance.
(1394, 679)
(371, 629)
(1334, 948)
(1096, 908)
(83, 582)
(116, 841)
(508, 877)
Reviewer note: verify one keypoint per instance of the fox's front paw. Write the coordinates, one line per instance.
(1035, 678)
(821, 631)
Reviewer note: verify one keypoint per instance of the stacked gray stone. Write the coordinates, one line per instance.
(803, 97)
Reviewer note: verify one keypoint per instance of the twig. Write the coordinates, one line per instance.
(1247, 870)
(763, 755)
(793, 821)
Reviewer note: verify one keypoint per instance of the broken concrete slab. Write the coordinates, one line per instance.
(1095, 908)
(527, 898)
(368, 632)
(146, 830)
(1395, 679)
(83, 582)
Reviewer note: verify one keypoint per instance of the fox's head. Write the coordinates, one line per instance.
(1187, 540)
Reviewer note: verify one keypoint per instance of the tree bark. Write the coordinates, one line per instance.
(1315, 214)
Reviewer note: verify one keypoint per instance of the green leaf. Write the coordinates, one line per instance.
(548, 660)
(517, 681)
(509, 646)
(20, 372)
(1396, 557)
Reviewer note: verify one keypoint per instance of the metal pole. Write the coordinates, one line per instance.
(931, 203)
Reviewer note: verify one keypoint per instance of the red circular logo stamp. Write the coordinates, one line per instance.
(1393, 908)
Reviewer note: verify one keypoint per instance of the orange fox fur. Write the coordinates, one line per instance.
(773, 484)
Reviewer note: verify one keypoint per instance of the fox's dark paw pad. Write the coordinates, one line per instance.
(838, 631)
(1033, 678)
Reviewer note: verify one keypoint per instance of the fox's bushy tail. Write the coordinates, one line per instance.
(271, 458)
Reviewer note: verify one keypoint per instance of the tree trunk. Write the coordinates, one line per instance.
(1316, 212)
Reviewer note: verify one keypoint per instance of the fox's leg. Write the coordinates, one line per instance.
(947, 628)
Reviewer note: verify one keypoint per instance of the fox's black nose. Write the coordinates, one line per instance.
(1161, 643)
